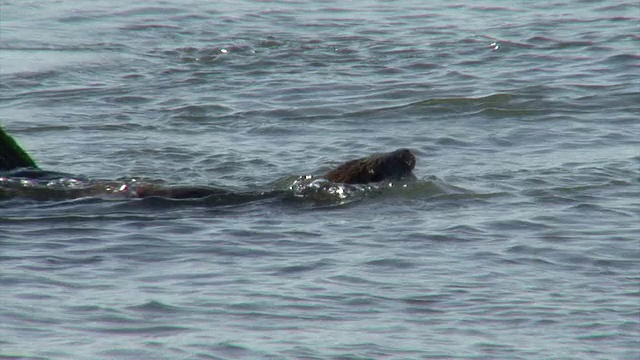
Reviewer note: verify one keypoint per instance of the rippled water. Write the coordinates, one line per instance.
(519, 240)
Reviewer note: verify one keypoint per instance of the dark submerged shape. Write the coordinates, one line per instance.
(377, 167)
(178, 192)
(11, 154)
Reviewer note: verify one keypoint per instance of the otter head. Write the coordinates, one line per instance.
(379, 167)
(394, 165)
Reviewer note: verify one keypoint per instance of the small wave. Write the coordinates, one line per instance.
(300, 268)
(99, 46)
(150, 26)
(142, 330)
(392, 263)
(218, 200)
(70, 93)
(493, 99)
(154, 307)
(501, 104)
(127, 99)
(150, 10)
(549, 43)
(622, 59)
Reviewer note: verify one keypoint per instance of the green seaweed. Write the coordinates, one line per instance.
(12, 156)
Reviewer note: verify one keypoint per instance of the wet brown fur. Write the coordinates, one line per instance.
(378, 167)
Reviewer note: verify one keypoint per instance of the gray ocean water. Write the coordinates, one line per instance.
(519, 240)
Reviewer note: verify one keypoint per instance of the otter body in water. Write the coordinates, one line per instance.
(393, 165)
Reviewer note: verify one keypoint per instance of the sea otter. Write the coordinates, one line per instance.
(393, 165)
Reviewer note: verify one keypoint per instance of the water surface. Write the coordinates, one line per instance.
(519, 240)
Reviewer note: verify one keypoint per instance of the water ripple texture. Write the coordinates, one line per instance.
(518, 240)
